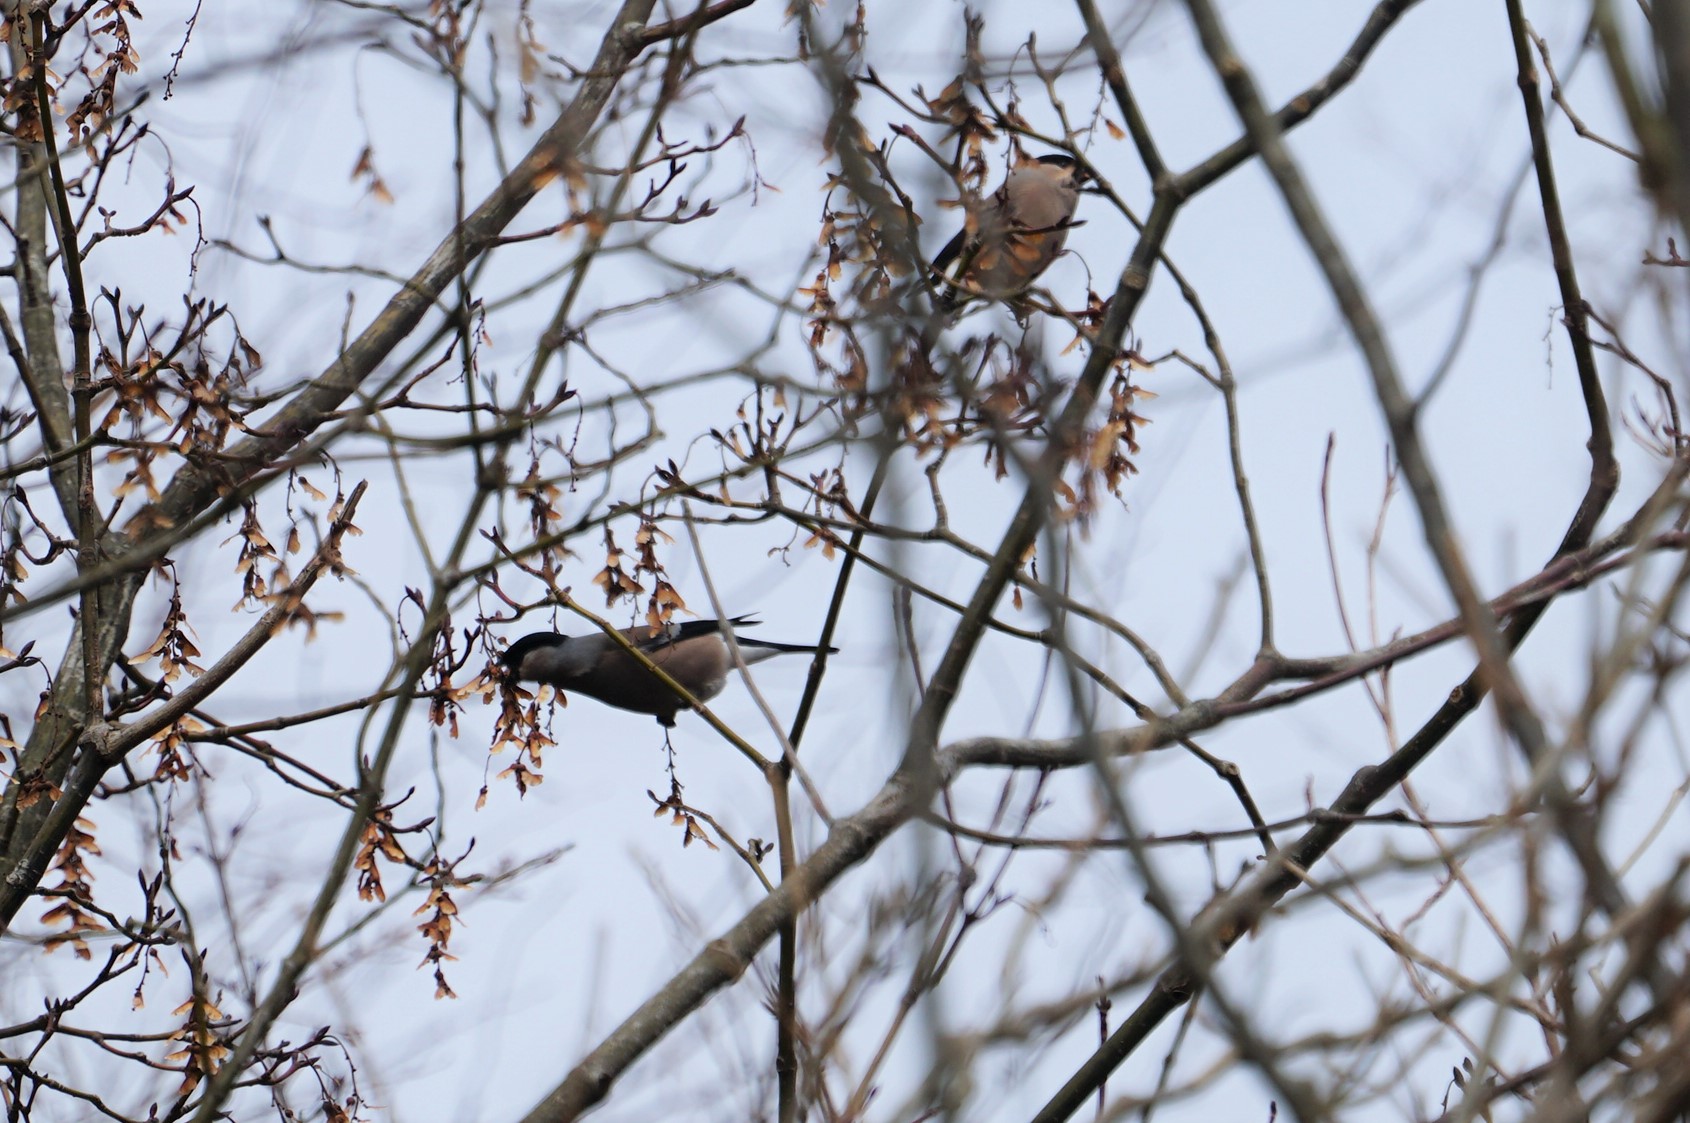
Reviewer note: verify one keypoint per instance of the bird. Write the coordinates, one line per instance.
(1015, 234)
(693, 653)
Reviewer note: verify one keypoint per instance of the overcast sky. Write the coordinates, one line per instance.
(1419, 167)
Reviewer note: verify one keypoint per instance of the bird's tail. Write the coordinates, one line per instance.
(785, 648)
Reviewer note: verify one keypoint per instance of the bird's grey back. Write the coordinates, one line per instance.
(699, 663)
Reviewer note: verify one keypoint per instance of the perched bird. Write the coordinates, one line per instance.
(693, 653)
(1015, 235)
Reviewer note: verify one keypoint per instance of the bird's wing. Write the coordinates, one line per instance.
(685, 630)
(952, 250)
(964, 248)
(980, 217)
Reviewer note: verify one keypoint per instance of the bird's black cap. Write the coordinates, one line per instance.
(1082, 176)
(511, 657)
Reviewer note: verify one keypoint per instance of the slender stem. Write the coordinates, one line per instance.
(1604, 469)
(1115, 74)
(1035, 504)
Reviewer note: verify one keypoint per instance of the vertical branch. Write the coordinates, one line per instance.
(102, 622)
(1227, 384)
(786, 997)
(1029, 518)
(1670, 152)
(1604, 469)
(42, 375)
(1115, 74)
(455, 44)
(779, 774)
(82, 381)
(836, 606)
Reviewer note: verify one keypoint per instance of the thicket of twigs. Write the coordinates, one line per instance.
(622, 308)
